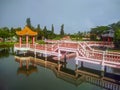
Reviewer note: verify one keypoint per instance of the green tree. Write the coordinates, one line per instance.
(117, 38)
(62, 30)
(28, 22)
(12, 32)
(80, 35)
(49, 34)
(116, 28)
(4, 33)
(39, 31)
(45, 32)
(52, 32)
(97, 31)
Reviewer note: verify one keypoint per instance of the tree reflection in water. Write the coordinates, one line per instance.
(6, 51)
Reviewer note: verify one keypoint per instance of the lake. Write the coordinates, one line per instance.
(47, 77)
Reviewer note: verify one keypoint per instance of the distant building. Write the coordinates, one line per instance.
(108, 35)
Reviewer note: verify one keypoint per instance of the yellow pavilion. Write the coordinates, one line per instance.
(27, 32)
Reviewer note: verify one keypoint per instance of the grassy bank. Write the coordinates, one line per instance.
(114, 50)
(6, 44)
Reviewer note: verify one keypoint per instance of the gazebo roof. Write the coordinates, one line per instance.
(26, 31)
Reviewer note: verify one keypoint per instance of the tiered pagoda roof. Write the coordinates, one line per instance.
(26, 31)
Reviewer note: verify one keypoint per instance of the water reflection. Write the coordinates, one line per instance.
(108, 81)
(5, 52)
(76, 77)
(25, 71)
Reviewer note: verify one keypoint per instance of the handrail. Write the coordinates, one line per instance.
(81, 48)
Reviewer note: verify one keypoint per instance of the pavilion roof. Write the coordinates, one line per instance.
(26, 31)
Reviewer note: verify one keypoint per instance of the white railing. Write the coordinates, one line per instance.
(82, 49)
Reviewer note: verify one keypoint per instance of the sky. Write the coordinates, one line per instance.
(76, 15)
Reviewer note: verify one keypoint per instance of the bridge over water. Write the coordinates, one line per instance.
(82, 51)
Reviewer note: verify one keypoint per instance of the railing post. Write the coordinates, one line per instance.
(58, 56)
(58, 59)
(35, 50)
(58, 44)
(87, 54)
(102, 64)
(93, 53)
(45, 52)
(52, 47)
(78, 46)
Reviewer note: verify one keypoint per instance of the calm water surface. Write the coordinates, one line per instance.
(40, 79)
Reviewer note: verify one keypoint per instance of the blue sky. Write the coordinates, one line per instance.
(76, 15)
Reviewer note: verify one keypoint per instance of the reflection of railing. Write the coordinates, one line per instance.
(103, 83)
(75, 77)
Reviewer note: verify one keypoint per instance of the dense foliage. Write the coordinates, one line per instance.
(116, 28)
(44, 33)
(97, 31)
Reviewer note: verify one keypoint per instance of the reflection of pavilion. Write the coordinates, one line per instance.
(23, 60)
(26, 66)
(76, 77)
(25, 71)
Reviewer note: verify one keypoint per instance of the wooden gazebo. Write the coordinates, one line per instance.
(27, 32)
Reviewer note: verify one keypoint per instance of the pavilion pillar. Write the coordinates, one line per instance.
(27, 64)
(33, 40)
(20, 63)
(26, 40)
(20, 41)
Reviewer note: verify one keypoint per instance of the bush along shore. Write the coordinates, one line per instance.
(6, 44)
